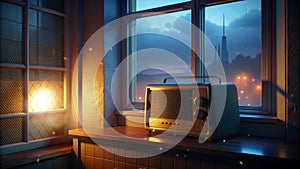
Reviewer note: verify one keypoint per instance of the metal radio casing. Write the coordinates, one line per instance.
(198, 110)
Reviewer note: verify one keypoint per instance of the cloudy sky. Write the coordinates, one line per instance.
(242, 25)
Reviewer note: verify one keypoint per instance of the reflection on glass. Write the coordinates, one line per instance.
(11, 35)
(139, 5)
(164, 43)
(46, 33)
(235, 31)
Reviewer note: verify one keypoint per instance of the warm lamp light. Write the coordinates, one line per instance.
(41, 100)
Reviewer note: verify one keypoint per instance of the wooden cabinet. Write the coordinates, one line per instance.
(93, 156)
(237, 153)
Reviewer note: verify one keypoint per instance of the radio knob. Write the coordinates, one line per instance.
(200, 101)
(202, 115)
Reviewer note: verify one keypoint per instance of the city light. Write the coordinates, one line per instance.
(249, 89)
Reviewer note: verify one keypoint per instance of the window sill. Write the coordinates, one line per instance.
(35, 144)
(134, 112)
(34, 156)
(258, 118)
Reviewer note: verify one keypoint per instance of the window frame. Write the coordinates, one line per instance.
(268, 62)
(129, 69)
(26, 67)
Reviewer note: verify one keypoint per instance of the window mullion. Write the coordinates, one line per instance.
(26, 73)
(132, 64)
(198, 38)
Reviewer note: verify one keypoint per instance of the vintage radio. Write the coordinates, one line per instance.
(209, 110)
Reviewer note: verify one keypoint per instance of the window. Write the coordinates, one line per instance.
(145, 41)
(234, 28)
(32, 70)
(140, 5)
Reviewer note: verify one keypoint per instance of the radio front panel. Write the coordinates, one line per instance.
(196, 109)
(177, 108)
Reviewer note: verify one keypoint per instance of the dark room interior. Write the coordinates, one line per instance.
(158, 84)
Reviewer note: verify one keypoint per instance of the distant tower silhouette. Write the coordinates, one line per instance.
(224, 52)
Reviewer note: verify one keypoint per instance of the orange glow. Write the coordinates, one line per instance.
(40, 100)
(154, 139)
(249, 88)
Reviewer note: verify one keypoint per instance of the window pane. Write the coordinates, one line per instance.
(45, 125)
(57, 5)
(50, 22)
(139, 5)
(10, 33)
(11, 91)
(11, 51)
(159, 41)
(11, 102)
(46, 38)
(46, 90)
(11, 30)
(235, 30)
(11, 12)
(11, 130)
